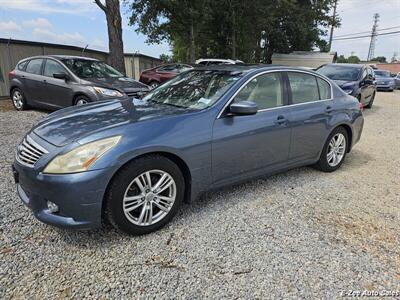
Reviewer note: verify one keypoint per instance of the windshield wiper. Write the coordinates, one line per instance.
(170, 104)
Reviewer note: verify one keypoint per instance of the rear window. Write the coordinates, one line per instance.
(22, 65)
(34, 66)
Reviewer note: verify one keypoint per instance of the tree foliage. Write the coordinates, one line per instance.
(233, 28)
(381, 59)
(352, 59)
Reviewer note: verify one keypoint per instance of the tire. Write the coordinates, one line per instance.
(18, 99)
(326, 165)
(139, 220)
(371, 102)
(154, 84)
(81, 100)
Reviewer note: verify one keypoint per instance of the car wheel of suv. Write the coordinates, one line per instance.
(154, 84)
(81, 100)
(145, 195)
(334, 151)
(371, 101)
(18, 99)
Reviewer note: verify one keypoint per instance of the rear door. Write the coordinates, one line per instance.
(311, 109)
(58, 92)
(34, 80)
(248, 145)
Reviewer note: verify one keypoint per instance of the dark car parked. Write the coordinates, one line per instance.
(355, 80)
(57, 81)
(384, 81)
(158, 75)
(135, 161)
(397, 80)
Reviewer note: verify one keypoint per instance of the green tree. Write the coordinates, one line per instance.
(341, 59)
(353, 59)
(233, 28)
(381, 59)
(166, 58)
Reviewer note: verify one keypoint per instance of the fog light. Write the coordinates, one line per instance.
(52, 207)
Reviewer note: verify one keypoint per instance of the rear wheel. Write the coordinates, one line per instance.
(334, 151)
(371, 101)
(81, 100)
(145, 195)
(18, 99)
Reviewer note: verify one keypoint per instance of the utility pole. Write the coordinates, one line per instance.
(373, 38)
(333, 25)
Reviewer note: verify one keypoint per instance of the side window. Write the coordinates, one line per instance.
(324, 89)
(51, 67)
(21, 66)
(304, 87)
(34, 66)
(265, 90)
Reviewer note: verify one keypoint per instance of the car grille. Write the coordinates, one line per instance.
(29, 152)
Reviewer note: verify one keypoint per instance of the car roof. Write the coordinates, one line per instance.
(347, 65)
(60, 57)
(247, 67)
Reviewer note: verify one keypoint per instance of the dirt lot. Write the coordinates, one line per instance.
(301, 234)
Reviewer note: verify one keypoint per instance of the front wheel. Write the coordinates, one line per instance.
(81, 100)
(334, 151)
(145, 195)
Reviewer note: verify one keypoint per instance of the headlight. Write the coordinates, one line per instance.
(81, 158)
(107, 92)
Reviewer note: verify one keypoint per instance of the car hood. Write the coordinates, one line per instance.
(125, 84)
(67, 125)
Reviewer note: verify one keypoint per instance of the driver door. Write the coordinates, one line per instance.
(247, 145)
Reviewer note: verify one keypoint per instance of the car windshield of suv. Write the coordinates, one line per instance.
(197, 89)
(382, 73)
(340, 72)
(84, 68)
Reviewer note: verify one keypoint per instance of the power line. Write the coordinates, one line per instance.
(365, 36)
(355, 33)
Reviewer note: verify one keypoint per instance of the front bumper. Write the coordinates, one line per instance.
(79, 196)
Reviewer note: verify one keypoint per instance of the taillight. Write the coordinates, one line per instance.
(361, 106)
(11, 74)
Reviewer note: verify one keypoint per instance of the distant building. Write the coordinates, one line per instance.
(394, 68)
(309, 59)
(12, 51)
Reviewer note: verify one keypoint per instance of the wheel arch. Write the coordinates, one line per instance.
(182, 165)
(76, 95)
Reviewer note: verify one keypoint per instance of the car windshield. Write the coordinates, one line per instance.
(340, 72)
(382, 73)
(84, 68)
(197, 89)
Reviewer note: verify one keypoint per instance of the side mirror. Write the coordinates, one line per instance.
(61, 76)
(243, 108)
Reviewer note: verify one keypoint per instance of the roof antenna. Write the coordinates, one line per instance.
(83, 50)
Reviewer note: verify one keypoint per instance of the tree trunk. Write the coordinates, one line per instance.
(268, 55)
(192, 44)
(115, 43)
(233, 35)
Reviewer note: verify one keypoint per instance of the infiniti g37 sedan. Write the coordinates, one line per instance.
(134, 162)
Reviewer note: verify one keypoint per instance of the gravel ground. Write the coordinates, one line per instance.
(302, 233)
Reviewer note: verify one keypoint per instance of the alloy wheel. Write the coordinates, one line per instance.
(149, 197)
(18, 99)
(336, 149)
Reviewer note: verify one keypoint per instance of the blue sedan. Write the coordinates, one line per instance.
(134, 162)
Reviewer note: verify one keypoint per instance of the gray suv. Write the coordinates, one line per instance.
(57, 81)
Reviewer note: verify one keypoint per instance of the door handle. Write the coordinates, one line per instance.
(280, 120)
(44, 81)
(329, 109)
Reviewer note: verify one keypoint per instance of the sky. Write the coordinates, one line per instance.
(81, 23)
(357, 16)
(71, 22)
